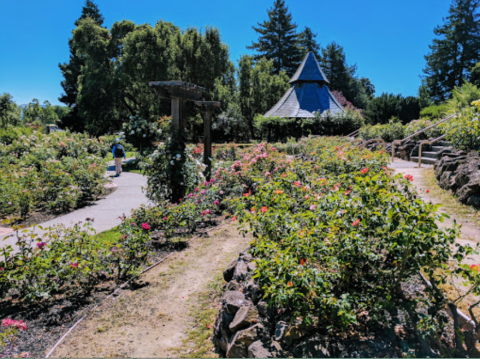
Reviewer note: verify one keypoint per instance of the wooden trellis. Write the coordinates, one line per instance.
(179, 92)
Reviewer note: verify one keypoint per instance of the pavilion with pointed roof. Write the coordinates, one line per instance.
(309, 93)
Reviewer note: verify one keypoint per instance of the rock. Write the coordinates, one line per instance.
(254, 292)
(221, 343)
(242, 340)
(262, 308)
(240, 272)
(244, 318)
(445, 180)
(228, 273)
(247, 257)
(311, 348)
(237, 350)
(232, 301)
(259, 349)
(296, 332)
(233, 285)
(280, 330)
(251, 266)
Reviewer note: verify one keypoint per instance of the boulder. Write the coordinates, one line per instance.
(448, 164)
(296, 332)
(253, 291)
(280, 330)
(445, 180)
(244, 317)
(260, 349)
(240, 272)
(232, 301)
(311, 348)
(262, 308)
(228, 272)
(233, 285)
(242, 340)
(221, 343)
(251, 266)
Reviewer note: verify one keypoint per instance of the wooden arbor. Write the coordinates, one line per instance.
(179, 92)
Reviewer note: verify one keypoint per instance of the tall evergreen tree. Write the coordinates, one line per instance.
(278, 40)
(308, 43)
(338, 72)
(72, 70)
(455, 50)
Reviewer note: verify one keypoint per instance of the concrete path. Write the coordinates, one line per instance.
(470, 232)
(106, 211)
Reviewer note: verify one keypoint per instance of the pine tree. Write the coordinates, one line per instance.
(337, 71)
(278, 39)
(455, 50)
(91, 10)
(308, 43)
(72, 70)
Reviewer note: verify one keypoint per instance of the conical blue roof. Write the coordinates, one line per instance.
(309, 71)
(308, 94)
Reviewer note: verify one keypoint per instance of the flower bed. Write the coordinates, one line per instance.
(56, 173)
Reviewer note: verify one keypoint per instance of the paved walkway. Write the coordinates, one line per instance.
(470, 232)
(106, 211)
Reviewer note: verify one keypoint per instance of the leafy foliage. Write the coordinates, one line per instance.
(9, 112)
(464, 130)
(382, 108)
(454, 51)
(391, 131)
(55, 172)
(280, 128)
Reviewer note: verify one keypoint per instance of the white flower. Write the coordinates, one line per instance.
(144, 135)
(132, 132)
(171, 162)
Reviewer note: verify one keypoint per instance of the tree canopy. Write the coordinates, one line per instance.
(9, 112)
(455, 50)
(278, 40)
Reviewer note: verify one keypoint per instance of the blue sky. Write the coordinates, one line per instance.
(387, 39)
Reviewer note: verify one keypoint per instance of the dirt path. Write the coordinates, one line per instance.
(154, 319)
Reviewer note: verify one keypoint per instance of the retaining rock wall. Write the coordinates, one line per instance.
(459, 171)
(246, 327)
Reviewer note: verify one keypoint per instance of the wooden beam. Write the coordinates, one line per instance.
(207, 141)
(175, 114)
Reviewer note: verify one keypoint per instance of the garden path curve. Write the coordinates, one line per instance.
(106, 211)
(470, 232)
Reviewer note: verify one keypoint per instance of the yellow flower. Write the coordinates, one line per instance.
(476, 104)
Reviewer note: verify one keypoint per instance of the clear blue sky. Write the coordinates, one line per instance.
(387, 39)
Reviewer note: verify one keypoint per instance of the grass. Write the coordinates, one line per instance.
(109, 156)
(449, 200)
(198, 340)
(111, 236)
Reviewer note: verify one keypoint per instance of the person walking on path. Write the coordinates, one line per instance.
(118, 152)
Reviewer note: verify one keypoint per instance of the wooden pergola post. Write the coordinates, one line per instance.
(207, 139)
(179, 92)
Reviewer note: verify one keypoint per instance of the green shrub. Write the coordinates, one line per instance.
(389, 132)
(463, 131)
(10, 134)
(418, 125)
(56, 172)
(435, 112)
(275, 129)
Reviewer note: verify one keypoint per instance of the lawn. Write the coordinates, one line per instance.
(131, 154)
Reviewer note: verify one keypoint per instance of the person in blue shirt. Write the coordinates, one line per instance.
(118, 152)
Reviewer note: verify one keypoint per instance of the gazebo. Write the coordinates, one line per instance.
(309, 93)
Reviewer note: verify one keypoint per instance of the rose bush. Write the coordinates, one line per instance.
(56, 172)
